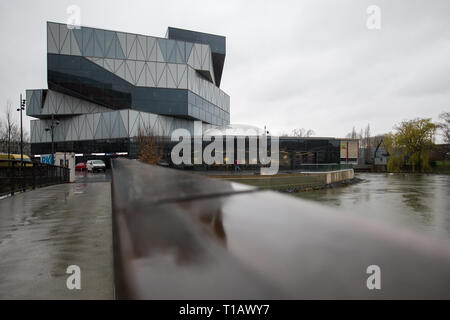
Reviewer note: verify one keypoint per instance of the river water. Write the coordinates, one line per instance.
(419, 202)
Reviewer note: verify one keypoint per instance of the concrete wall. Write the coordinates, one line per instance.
(299, 181)
(334, 176)
(280, 182)
(341, 175)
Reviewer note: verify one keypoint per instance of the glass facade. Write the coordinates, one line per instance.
(295, 153)
(85, 147)
(79, 77)
(199, 108)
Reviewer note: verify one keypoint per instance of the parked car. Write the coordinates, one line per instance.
(163, 163)
(95, 166)
(80, 166)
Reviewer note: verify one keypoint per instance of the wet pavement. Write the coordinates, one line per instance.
(85, 177)
(43, 232)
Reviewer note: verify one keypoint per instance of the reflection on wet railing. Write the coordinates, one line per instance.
(183, 236)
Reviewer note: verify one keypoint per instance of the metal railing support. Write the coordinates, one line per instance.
(15, 178)
(33, 173)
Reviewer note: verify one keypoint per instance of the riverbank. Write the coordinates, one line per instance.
(437, 167)
(295, 182)
(334, 185)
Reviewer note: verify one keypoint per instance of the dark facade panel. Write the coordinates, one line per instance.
(293, 152)
(216, 43)
(81, 78)
(84, 146)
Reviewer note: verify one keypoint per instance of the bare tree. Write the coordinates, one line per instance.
(302, 132)
(351, 134)
(366, 143)
(445, 126)
(10, 124)
(354, 134)
(151, 144)
(366, 137)
(2, 135)
(10, 133)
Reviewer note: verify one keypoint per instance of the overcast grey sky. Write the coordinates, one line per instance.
(290, 64)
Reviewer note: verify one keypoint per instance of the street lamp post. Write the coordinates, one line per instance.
(51, 128)
(21, 108)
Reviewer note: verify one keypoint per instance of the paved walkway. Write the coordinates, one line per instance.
(44, 231)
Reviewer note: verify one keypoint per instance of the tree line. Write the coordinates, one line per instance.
(409, 145)
(10, 132)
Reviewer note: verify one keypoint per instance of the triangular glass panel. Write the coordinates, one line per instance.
(171, 51)
(79, 40)
(99, 44)
(88, 42)
(109, 44)
(188, 50)
(163, 48)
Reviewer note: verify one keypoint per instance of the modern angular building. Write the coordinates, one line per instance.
(104, 85)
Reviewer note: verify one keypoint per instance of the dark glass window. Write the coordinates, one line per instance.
(79, 77)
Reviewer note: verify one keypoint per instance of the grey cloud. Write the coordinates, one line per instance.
(289, 64)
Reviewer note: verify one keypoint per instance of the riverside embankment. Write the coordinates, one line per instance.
(293, 181)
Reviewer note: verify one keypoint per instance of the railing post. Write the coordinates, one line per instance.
(33, 174)
(24, 178)
(40, 175)
(12, 178)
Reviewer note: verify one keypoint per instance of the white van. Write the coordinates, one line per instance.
(95, 166)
